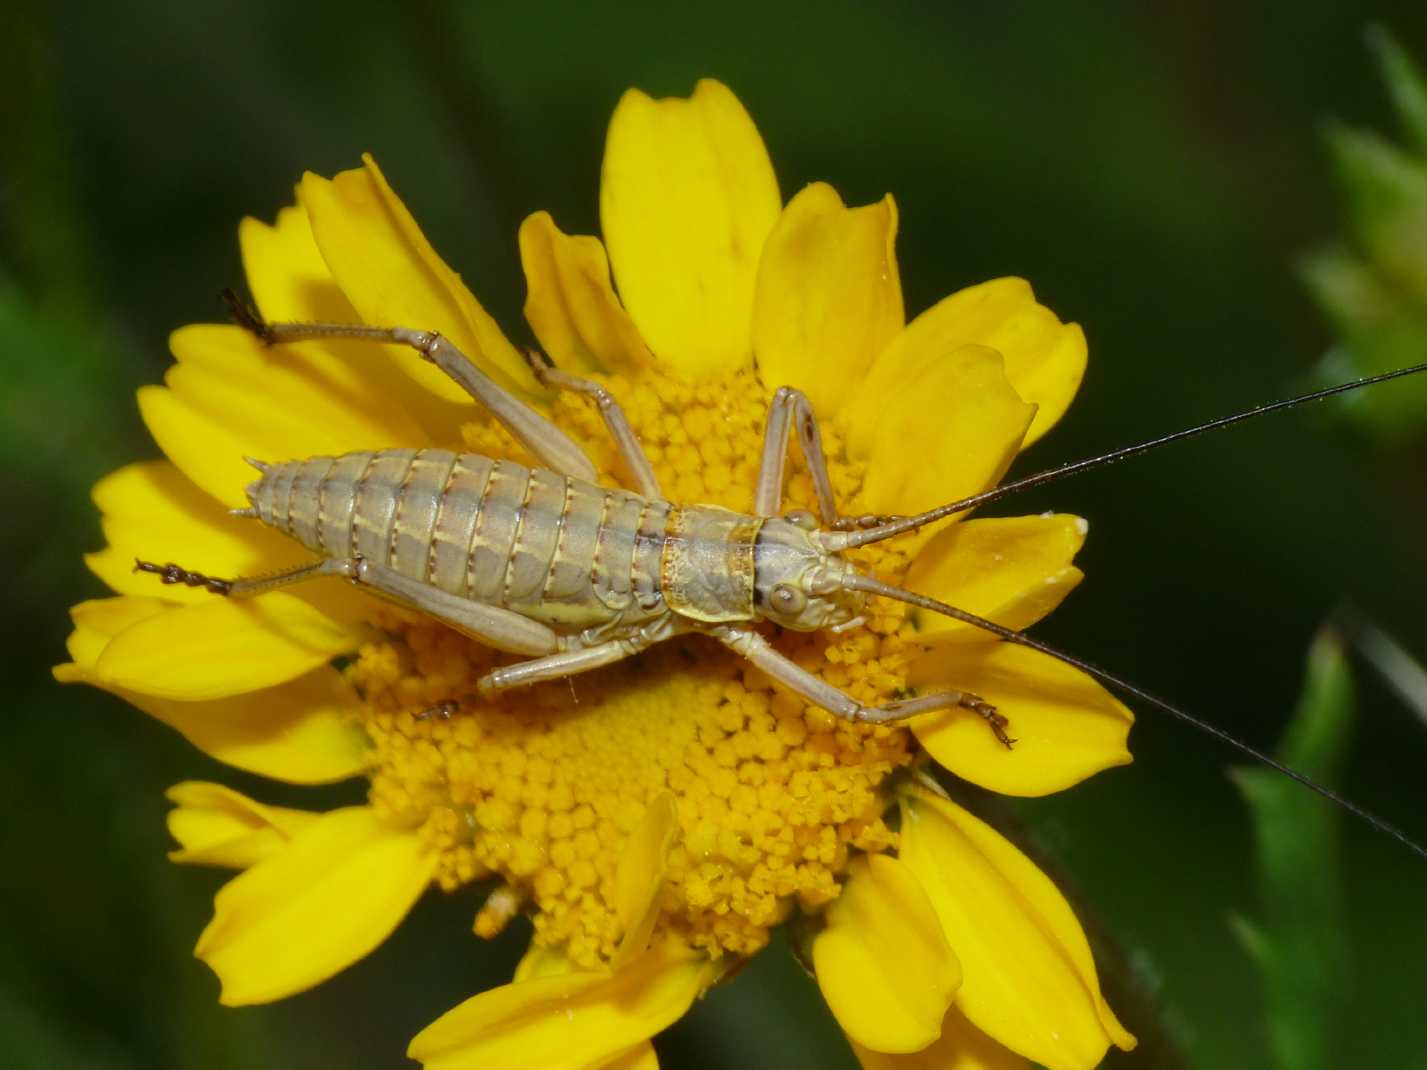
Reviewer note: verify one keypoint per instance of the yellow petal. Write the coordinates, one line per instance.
(1012, 571)
(302, 731)
(345, 404)
(99, 620)
(202, 446)
(290, 283)
(394, 278)
(571, 1021)
(288, 278)
(541, 961)
(687, 198)
(828, 298)
(222, 647)
(950, 430)
(882, 961)
(1044, 359)
(1030, 979)
(96, 622)
(257, 423)
(639, 1057)
(570, 302)
(1066, 726)
(640, 876)
(218, 826)
(962, 1047)
(332, 895)
(278, 414)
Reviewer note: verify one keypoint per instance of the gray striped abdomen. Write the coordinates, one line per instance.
(555, 549)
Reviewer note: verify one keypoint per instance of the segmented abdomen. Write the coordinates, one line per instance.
(559, 550)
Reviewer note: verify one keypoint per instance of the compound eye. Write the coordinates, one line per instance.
(801, 518)
(788, 600)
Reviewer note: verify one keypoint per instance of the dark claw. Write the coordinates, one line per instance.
(441, 711)
(170, 574)
(998, 721)
(539, 364)
(246, 316)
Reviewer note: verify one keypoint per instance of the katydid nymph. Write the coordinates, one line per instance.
(547, 563)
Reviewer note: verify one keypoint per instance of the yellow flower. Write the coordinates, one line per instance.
(656, 819)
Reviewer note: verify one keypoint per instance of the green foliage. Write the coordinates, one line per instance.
(1373, 285)
(1406, 84)
(1301, 946)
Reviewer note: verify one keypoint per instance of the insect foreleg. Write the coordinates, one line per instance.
(789, 410)
(614, 419)
(820, 693)
(533, 431)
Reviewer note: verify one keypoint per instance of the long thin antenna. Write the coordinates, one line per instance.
(898, 525)
(859, 582)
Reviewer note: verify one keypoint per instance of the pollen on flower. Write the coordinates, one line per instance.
(543, 788)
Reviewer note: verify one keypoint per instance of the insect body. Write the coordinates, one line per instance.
(585, 560)
(547, 563)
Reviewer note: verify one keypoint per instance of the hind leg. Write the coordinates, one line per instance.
(491, 625)
(552, 446)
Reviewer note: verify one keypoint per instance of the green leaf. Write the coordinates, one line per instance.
(1300, 945)
(1387, 199)
(1406, 84)
(1372, 283)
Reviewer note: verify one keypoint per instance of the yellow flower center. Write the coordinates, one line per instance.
(542, 788)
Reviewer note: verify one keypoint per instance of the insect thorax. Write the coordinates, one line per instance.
(706, 568)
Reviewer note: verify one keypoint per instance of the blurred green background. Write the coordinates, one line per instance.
(1156, 171)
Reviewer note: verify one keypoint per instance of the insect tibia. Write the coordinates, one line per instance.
(171, 574)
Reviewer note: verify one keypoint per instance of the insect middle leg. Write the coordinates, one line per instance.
(533, 431)
(819, 692)
(790, 410)
(558, 666)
